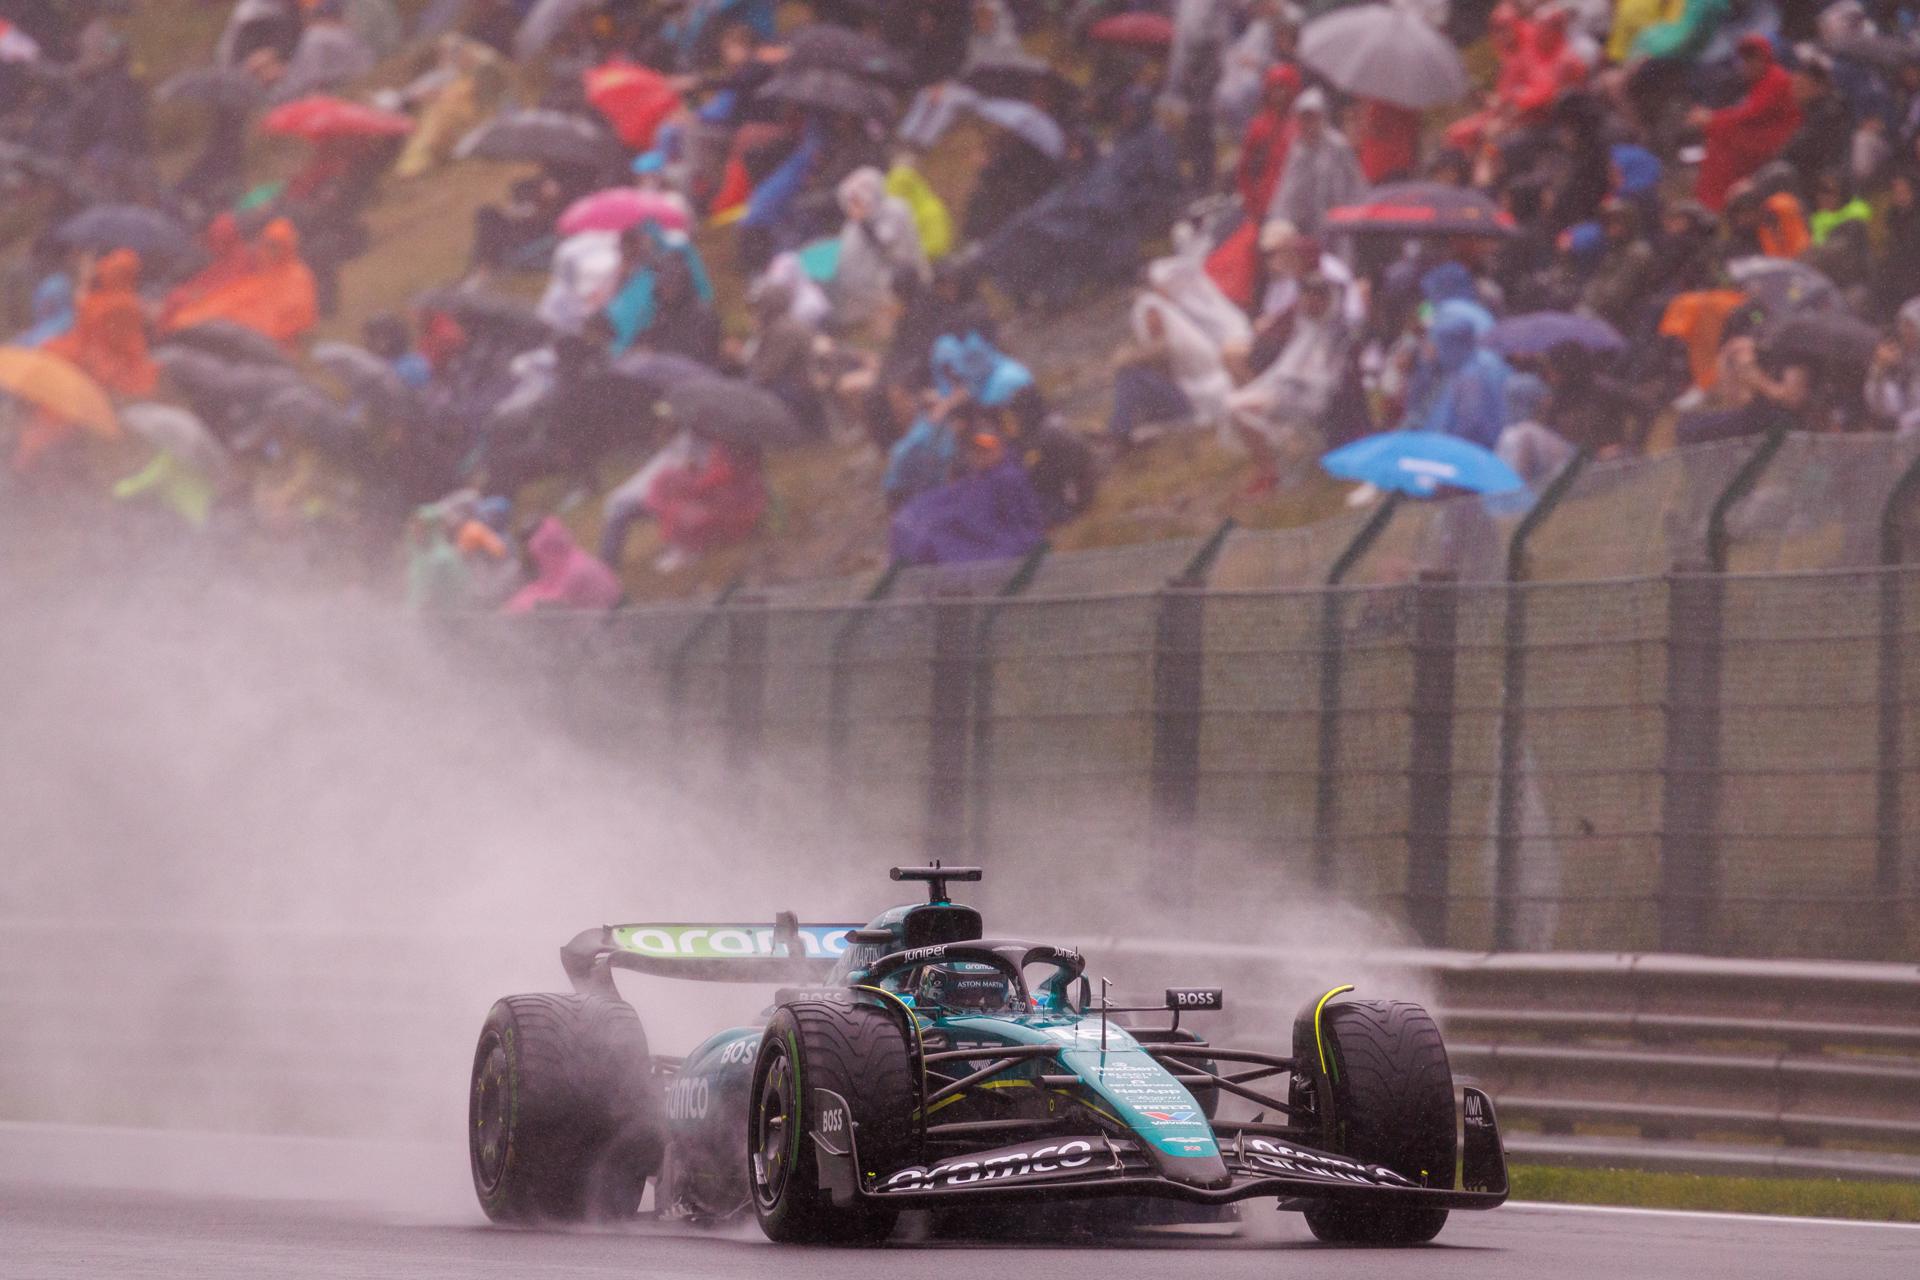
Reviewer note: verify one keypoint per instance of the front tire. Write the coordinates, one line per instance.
(564, 1116)
(1385, 1097)
(859, 1052)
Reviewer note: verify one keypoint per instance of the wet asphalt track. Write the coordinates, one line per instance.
(84, 1234)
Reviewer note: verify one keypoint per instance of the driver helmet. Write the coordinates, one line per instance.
(964, 985)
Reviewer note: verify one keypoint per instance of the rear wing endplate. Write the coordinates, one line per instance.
(784, 952)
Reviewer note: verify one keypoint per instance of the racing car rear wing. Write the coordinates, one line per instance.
(785, 951)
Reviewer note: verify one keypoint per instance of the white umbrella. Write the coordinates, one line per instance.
(1385, 52)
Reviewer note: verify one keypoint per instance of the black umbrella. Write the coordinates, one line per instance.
(491, 313)
(222, 88)
(661, 370)
(225, 395)
(824, 46)
(1012, 73)
(321, 422)
(1422, 209)
(823, 89)
(539, 136)
(1823, 337)
(148, 232)
(1883, 53)
(234, 343)
(734, 411)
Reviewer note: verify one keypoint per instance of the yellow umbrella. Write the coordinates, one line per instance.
(59, 387)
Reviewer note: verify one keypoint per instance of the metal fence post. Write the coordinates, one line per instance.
(1891, 748)
(952, 678)
(1178, 663)
(1436, 605)
(1513, 701)
(980, 762)
(840, 686)
(1737, 488)
(744, 730)
(1690, 764)
(1326, 790)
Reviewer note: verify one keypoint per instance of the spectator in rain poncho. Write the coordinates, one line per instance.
(714, 499)
(920, 460)
(1742, 137)
(108, 340)
(275, 296)
(584, 278)
(1893, 380)
(972, 369)
(636, 308)
(1533, 449)
(779, 356)
(565, 576)
(879, 238)
(1321, 173)
(463, 87)
(1460, 388)
(989, 513)
(1175, 372)
(1278, 415)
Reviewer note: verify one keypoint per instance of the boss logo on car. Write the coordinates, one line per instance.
(688, 1098)
(739, 1051)
(996, 1166)
(1196, 998)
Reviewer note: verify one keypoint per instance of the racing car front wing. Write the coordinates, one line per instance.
(1098, 1164)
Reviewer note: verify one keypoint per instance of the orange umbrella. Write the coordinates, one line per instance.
(59, 388)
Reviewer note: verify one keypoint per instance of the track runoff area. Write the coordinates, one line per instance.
(57, 1233)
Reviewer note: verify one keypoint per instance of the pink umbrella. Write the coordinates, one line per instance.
(620, 208)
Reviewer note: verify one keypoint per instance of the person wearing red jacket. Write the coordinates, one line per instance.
(714, 501)
(1549, 67)
(1752, 131)
(1263, 148)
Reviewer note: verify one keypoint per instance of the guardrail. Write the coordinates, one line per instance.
(1806, 1069)
(1637, 1061)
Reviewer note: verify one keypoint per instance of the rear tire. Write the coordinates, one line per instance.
(564, 1116)
(1386, 1097)
(859, 1052)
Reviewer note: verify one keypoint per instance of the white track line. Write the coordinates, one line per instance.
(1708, 1215)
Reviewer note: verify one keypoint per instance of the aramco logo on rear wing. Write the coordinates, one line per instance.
(720, 941)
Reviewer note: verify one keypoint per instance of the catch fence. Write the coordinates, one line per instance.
(1668, 705)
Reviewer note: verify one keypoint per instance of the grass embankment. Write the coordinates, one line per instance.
(1796, 1197)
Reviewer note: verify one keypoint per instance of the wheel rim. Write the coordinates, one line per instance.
(490, 1106)
(773, 1120)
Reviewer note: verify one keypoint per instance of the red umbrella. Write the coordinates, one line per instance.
(1140, 30)
(635, 100)
(320, 117)
(1422, 209)
(620, 208)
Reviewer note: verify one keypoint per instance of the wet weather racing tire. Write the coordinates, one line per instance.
(564, 1119)
(859, 1052)
(1391, 1092)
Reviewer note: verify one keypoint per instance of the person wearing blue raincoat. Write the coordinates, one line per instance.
(635, 307)
(1460, 387)
(971, 364)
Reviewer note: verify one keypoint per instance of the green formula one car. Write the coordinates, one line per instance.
(924, 1066)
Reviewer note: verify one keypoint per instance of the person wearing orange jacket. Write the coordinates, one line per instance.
(109, 336)
(277, 297)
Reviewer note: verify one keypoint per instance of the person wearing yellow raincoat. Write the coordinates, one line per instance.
(930, 214)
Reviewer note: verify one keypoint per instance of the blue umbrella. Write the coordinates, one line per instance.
(1538, 332)
(1420, 462)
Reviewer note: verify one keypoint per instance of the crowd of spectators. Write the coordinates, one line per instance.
(1642, 222)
